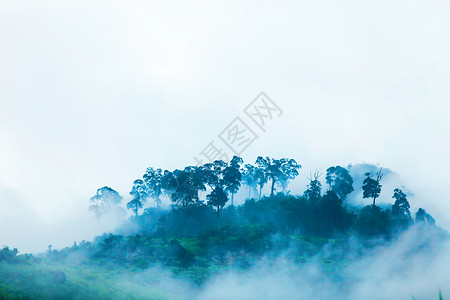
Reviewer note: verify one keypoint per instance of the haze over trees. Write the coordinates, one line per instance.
(400, 209)
(339, 181)
(202, 199)
(232, 176)
(372, 187)
(104, 200)
(203, 232)
(153, 182)
(139, 193)
(315, 211)
(222, 181)
(314, 191)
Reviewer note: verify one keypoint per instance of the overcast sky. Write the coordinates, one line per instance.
(93, 92)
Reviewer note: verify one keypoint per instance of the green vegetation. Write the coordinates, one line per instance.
(199, 238)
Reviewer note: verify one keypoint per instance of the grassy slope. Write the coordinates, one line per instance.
(102, 280)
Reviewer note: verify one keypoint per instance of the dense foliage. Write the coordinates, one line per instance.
(197, 238)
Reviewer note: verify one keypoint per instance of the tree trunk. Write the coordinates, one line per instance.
(272, 187)
(260, 190)
(232, 196)
(373, 204)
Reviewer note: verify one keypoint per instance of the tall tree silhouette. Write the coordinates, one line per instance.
(217, 198)
(339, 181)
(372, 187)
(232, 176)
(103, 200)
(422, 217)
(314, 191)
(401, 216)
(261, 173)
(289, 170)
(139, 193)
(212, 173)
(401, 205)
(153, 182)
(249, 178)
(183, 186)
(280, 171)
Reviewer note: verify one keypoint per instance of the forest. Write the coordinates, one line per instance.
(203, 234)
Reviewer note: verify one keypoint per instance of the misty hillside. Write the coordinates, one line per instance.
(225, 150)
(204, 245)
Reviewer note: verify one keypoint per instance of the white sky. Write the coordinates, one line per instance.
(93, 92)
